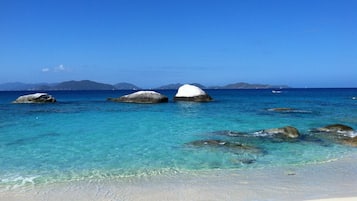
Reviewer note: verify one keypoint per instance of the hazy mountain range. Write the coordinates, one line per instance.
(91, 85)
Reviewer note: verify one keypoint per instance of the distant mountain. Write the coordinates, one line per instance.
(170, 86)
(82, 85)
(19, 86)
(126, 86)
(91, 85)
(243, 85)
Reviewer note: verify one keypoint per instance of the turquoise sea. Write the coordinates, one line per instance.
(84, 137)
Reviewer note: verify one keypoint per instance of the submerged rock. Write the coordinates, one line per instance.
(337, 133)
(281, 109)
(35, 98)
(288, 110)
(334, 128)
(225, 144)
(230, 133)
(189, 92)
(287, 132)
(141, 97)
(352, 141)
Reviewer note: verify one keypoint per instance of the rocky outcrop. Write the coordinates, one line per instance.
(35, 98)
(287, 132)
(334, 128)
(141, 97)
(351, 141)
(189, 92)
(337, 133)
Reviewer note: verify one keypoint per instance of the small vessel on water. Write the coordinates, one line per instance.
(276, 92)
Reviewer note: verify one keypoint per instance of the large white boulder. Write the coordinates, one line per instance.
(35, 98)
(141, 97)
(189, 92)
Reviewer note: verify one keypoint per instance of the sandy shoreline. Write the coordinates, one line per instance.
(312, 182)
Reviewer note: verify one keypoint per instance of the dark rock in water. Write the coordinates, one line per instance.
(339, 139)
(316, 140)
(337, 133)
(287, 132)
(288, 110)
(231, 133)
(350, 141)
(281, 109)
(213, 143)
(334, 128)
(141, 97)
(35, 98)
(225, 144)
(247, 161)
(193, 93)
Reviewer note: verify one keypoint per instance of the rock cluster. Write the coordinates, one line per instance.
(335, 133)
(287, 132)
(186, 92)
(338, 133)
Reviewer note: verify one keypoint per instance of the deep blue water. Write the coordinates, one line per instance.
(83, 136)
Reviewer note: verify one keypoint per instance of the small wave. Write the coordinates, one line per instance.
(13, 182)
(350, 134)
(261, 134)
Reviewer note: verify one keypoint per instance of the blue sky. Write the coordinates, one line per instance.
(301, 43)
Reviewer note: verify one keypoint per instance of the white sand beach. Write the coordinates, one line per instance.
(339, 199)
(330, 181)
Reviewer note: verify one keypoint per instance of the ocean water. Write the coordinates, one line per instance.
(84, 137)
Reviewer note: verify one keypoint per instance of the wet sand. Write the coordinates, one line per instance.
(333, 181)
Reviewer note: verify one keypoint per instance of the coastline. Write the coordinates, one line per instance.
(325, 181)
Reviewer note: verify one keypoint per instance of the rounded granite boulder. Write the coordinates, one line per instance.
(35, 98)
(193, 93)
(142, 97)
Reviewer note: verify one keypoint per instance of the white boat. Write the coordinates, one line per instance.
(276, 92)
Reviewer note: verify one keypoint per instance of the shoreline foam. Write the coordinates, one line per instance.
(310, 182)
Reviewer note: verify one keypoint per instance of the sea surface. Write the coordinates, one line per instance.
(85, 137)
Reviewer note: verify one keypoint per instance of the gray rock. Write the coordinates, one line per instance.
(35, 98)
(287, 132)
(351, 141)
(337, 133)
(334, 128)
(141, 97)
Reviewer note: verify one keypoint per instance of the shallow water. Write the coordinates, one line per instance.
(83, 136)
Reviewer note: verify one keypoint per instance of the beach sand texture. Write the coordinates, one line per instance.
(331, 181)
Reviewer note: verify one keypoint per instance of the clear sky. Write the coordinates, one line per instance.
(300, 43)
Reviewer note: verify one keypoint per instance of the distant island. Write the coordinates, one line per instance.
(92, 85)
